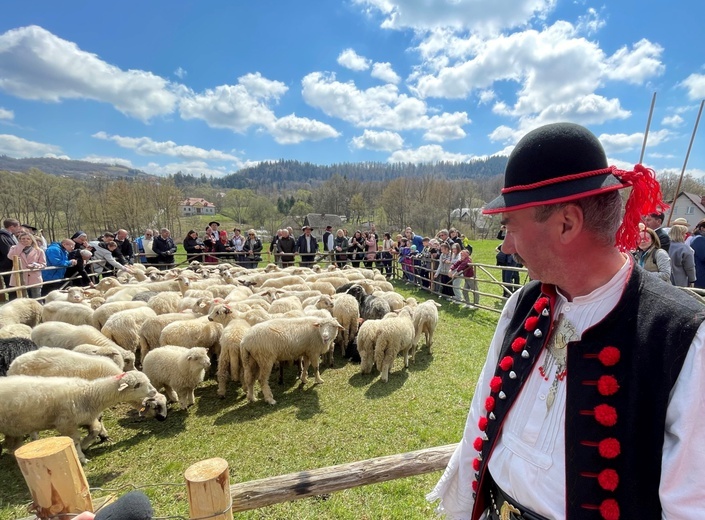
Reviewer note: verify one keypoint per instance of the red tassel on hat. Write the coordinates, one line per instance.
(645, 198)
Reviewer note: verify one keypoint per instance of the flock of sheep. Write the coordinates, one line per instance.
(65, 362)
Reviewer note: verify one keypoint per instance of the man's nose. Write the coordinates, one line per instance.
(508, 245)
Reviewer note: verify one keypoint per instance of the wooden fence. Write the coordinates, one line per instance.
(59, 487)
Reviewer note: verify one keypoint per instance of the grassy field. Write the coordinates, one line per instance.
(350, 417)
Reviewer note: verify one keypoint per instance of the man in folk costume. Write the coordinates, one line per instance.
(590, 404)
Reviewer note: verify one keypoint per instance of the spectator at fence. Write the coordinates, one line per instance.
(356, 249)
(38, 235)
(454, 236)
(144, 245)
(125, 246)
(462, 272)
(223, 246)
(164, 247)
(286, 248)
(406, 259)
(117, 254)
(77, 273)
(57, 255)
(509, 276)
(103, 256)
(237, 242)
(651, 256)
(422, 263)
(413, 238)
(340, 246)
(194, 247)
(682, 257)
(273, 250)
(370, 249)
(306, 247)
(386, 255)
(328, 241)
(445, 260)
(31, 257)
(697, 244)
(251, 249)
(11, 227)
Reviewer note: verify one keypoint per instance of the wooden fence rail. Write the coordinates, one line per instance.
(59, 488)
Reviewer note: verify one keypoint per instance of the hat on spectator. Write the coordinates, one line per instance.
(31, 228)
(680, 221)
(251, 232)
(562, 162)
(78, 234)
(214, 222)
(329, 227)
(306, 227)
(108, 234)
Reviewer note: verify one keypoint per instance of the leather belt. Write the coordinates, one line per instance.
(502, 507)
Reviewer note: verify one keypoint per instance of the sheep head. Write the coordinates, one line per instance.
(154, 407)
(328, 329)
(220, 313)
(199, 357)
(135, 382)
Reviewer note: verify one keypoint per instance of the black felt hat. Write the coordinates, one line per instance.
(214, 222)
(552, 164)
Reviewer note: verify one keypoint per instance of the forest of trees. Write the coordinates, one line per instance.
(391, 196)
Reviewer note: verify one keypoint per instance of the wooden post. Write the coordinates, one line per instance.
(16, 267)
(54, 476)
(208, 484)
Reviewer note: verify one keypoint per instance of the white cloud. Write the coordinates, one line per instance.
(590, 22)
(18, 147)
(485, 96)
(36, 64)
(430, 153)
(617, 143)
(108, 160)
(6, 114)
(147, 146)
(384, 141)
(459, 14)
(291, 130)
(353, 61)
(661, 155)
(195, 168)
(385, 72)
(674, 120)
(637, 65)
(180, 73)
(378, 107)
(695, 84)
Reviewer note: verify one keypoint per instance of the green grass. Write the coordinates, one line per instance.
(350, 417)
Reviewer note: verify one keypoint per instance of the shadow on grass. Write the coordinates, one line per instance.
(379, 389)
(102, 478)
(174, 423)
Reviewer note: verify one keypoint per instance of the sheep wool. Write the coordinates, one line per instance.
(11, 349)
(178, 370)
(22, 310)
(58, 362)
(397, 335)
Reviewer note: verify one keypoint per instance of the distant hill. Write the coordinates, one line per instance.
(69, 168)
(290, 174)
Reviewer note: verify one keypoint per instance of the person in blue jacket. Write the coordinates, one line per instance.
(57, 256)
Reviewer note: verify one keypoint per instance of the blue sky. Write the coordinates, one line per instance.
(213, 86)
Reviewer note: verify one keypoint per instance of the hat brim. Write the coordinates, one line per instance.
(554, 193)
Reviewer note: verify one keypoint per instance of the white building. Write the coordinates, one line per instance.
(196, 206)
(688, 206)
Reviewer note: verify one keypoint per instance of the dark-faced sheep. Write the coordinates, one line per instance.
(371, 307)
(11, 349)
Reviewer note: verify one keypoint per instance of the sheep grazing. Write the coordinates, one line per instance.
(31, 404)
(63, 335)
(425, 322)
(395, 336)
(16, 330)
(124, 327)
(11, 349)
(284, 340)
(372, 307)
(153, 407)
(68, 312)
(178, 369)
(22, 310)
(59, 362)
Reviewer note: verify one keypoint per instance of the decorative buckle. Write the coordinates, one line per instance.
(506, 511)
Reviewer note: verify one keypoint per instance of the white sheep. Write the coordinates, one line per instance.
(200, 332)
(124, 327)
(366, 339)
(72, 294)
(165, 302)
(229, 361)
(285, 304)
(16, 330)
(152, 328)
(284, 340)
(111, 353)
(68, 312)
(425, 322)
(31, 404)
(21, 310)
(395, 300)
(281, 282)
(102, 313)
(395, 336)
(63, 335)
(59, 362)
(347, 311)
(178, 369)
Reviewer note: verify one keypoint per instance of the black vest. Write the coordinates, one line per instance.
(620, 375)
(325, 240)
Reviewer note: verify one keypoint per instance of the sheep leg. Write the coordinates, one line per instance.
(11, 444)
(315, 363)
(249, 380)
(264, 373)
(303, 369)
(171, 394)
(429, 339)
(224, 370)
(183, 399)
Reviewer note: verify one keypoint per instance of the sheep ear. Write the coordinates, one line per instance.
(122, 387)
(316, 324)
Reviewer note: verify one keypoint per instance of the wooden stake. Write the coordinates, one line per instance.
(208, 484)
(54, 476)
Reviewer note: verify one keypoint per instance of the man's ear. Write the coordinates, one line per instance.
(572, 221)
